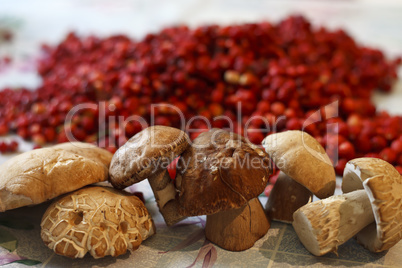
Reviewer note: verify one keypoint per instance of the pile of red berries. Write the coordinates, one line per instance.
(8, 147)
(288, 75)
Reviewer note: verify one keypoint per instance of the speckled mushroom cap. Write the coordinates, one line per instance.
(99, 220)
(383, 185)
(220, 171)
(302, 158)
(360, 169)
(385, 194)
(145, 154)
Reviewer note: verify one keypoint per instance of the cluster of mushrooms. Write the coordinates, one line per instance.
(219, 174)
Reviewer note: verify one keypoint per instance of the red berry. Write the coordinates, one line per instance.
(39, 139)
(378, 143)
(363, 144)
(340, 166)
(278, 108)
(3, 129)
(3, 147)
(388, 155)
(293, 124)
(396, 145)
(268, 189)
(13, 146)
(399, 168)
(346, 150)
(111, 148)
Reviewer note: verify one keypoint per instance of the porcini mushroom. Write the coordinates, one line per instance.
(285, 198)
(147, 155)
(221, 176)
(385, 193)
(360, 169)
(324, 225)
(305, 169)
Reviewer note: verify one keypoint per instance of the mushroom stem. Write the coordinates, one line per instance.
(237, 229)
(286, 197)
(324, 225)
(165, 195)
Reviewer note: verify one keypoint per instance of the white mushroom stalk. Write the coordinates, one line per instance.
(324, 225)
(373, 214)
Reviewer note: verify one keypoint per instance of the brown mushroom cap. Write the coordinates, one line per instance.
(360, 169)
(286, 197)
(302, 158)
(220, 171)
(99, 220)
(145, 154)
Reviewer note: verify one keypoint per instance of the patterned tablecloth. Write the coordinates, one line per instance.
(375, 23)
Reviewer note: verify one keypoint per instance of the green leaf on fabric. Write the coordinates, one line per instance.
(28, 262)
(16, 223)
(7, 240)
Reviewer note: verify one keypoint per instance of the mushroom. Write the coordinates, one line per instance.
(147, 155)
(386, 197)
(285, 198)
(360, 169)
(324, 225)
(221, 176)
(39, 175)
(99, 220)
(305, 170)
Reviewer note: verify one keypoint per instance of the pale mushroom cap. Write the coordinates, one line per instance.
(99, 220)
(360, 169)
(302, 158)
(385, 194)
(220, 171)
(87, 150)
(145, 154)
(40, 175)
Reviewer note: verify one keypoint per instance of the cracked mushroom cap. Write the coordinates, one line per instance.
(301, 157)
(385, 194)
(99, 220)
(42, 174)
(383, 185)
(360, 169)
(145, 154)
(220, 171)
